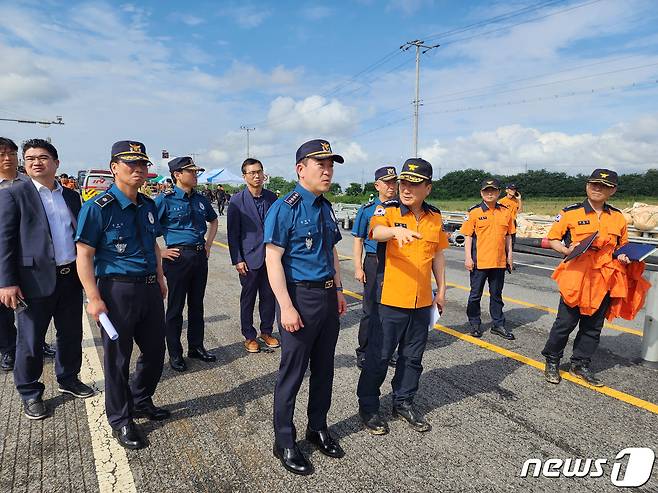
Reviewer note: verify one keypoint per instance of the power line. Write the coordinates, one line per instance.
(57, 121)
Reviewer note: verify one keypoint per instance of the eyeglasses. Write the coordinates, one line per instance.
(8, 154)
(254, 173)
(32, 159)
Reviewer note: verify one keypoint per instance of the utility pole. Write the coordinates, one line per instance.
(419, 45)
(247, 129)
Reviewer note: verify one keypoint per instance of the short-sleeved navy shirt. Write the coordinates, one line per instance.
(184, 217)
(304, 225)
(361, 228)
(122, 233)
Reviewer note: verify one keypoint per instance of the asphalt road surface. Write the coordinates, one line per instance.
(490, 409)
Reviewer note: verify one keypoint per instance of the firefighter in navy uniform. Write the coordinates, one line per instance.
(300, 234)
(120, 268)
(184, 216)
(587, 281)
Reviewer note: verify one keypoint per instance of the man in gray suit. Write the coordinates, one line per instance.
(38, 275)
(245, 216)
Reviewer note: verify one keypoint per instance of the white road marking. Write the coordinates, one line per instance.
(534, 266)
(112, 468)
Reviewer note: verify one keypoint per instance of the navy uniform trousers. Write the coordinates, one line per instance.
(137, 312)
(256, 282)
(64, 306)
(404, 328)
(186, 276)
(368, 306)
(496, 280)
(313, 344)
(587, 339)
(7, 330)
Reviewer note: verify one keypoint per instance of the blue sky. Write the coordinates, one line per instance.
(564, 85)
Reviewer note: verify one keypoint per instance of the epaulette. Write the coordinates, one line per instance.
(474, 207)
(613, 208)
(104, 199)
(292, 198)
(391, 203)
(368, 204)
(169, 192)
(572, 207)
(430, 207)
(502, 205)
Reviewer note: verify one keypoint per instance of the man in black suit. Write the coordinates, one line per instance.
(244, 222)
(38, 271)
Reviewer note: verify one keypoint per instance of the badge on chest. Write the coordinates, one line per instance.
(583, 223)
(309, 241)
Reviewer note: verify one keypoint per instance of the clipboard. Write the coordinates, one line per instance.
(582, 247)
(636, 252)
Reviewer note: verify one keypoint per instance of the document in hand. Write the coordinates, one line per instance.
(434, 318)
(582, 247)
(636, 252)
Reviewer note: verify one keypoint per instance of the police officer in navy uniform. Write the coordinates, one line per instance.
(304, 272)
(120, 268)
(365, 268)
(184, 216)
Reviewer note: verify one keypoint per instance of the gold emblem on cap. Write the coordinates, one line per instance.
(325, 146)
(412, 167)
(390, 171)
(490, 182)
(604, 175)
(135, 147)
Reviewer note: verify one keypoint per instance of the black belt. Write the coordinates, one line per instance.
(195, 248)
(150, 279)
(329, 283)
(63, 270)
(369, 254)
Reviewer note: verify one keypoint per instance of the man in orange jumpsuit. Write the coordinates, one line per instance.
(512, 200)
(585, 281)
(410, 249)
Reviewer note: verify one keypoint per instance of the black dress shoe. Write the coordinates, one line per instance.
(128, 437)
(77, 388)
(325, 443)
(35, 408)
(7, 362)
(503, 332)
(476, 331)
(48, 350)
(410, 415)
(177, 363)
(201, 353)
(293, 460)
(374, 423)
(583, 372)
(150, 411)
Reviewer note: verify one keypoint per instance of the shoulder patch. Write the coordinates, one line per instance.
(292, 198)
(380, 210)
(473, 207)
(391, 203)
(572, 207)
(368, 204)
(104, 199)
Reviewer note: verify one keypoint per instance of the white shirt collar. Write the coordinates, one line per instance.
(39, 186)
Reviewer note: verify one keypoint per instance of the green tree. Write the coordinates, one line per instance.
(281, 184)
(353, 189)
(335, 189)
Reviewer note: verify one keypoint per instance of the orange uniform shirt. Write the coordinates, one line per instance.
(404, 273)
(511, 203)
(585, 280)
(489, 228)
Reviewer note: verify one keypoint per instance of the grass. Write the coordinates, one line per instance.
(544, 205)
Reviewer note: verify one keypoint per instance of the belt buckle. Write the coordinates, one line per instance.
(64, 270)
(150, 279)
(199, 248)
(329, 284)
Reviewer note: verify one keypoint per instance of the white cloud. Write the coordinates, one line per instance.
(316, 12)
(408, 7)
(629, 146)
(190, 20)
(312, 115)
(246, 16)
(352, 152)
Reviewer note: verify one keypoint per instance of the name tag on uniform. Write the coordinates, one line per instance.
(482, 218)
(582, 223)
(402, 225)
